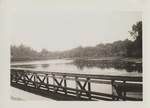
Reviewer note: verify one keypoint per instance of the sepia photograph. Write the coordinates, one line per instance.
(78, 53)
(69, 56)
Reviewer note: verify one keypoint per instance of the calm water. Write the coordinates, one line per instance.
(86, 67)
(82, 66)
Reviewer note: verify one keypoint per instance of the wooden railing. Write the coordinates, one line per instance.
(55, 85)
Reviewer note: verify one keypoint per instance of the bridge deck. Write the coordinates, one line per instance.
(55, 85)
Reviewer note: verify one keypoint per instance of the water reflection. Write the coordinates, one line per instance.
(25, 66)
(102, 64)
(45, 65)
(82, 65)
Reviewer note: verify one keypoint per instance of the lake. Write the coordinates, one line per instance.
(85, 66)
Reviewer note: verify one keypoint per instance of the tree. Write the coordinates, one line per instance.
(136, 33)
(44, 51)
(23, 52)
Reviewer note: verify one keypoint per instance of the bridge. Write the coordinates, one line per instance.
(55, 85)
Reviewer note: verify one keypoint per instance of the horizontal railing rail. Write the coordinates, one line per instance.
(56, 84)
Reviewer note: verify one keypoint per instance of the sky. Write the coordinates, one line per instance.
(64, 30)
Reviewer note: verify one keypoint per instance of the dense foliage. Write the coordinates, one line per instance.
(117, 48)
(134, 49)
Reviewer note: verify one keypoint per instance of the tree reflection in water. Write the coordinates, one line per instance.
(80, 64)
(45, 65)
(102, 64)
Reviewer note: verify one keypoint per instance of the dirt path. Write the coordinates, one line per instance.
(20, 95)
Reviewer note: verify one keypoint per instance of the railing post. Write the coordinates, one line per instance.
(47, 82)
(77, 94)
(124, 93)
(24, 78)
(89, 88)
(54, 82)
(65, 85)
(35, 79)
(16, 77)
(113, 89)
(11, 78)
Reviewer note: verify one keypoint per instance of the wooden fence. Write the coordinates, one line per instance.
(55, 85)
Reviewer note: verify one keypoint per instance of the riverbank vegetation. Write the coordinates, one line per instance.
(126, 48)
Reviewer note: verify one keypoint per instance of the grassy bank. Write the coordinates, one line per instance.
(127, 59)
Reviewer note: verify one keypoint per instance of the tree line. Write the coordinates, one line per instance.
(126, 48)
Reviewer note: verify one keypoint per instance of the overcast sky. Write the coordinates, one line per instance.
(58, 30)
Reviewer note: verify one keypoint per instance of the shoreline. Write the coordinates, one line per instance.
(127, 59)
